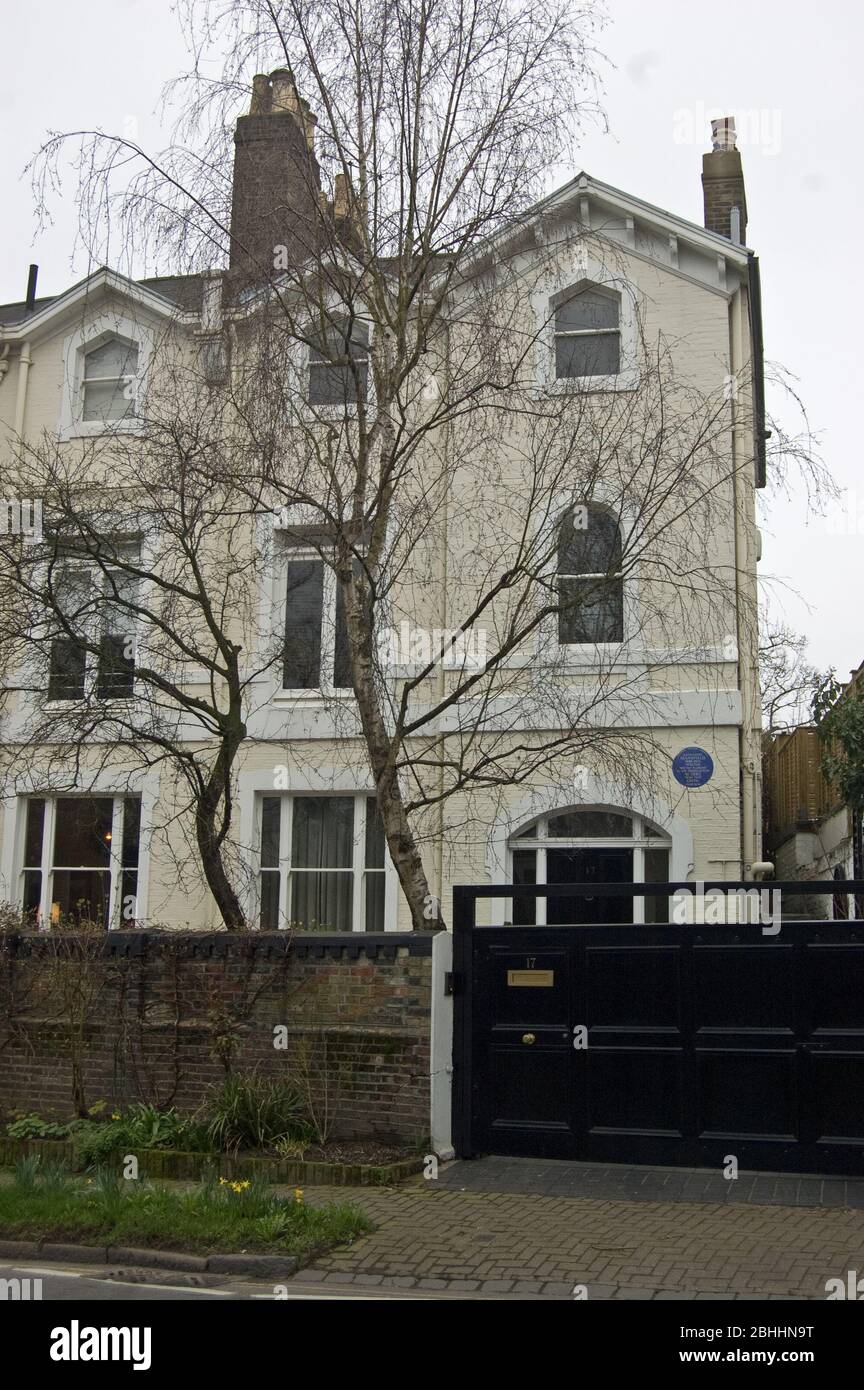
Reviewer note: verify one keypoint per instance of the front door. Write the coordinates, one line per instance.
(590, 865)
(524, 1089)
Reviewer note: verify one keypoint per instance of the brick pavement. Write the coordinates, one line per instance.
(470, 1243)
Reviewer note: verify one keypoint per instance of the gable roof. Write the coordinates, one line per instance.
(162, 295)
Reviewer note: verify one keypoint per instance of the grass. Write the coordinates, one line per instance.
(44, 1202)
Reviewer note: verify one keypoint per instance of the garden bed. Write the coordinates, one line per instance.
(306, 1172)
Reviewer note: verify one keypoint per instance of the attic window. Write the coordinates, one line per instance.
(108, 381)
(587, 335)
(339, 365)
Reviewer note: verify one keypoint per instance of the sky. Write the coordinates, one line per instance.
(787, 70)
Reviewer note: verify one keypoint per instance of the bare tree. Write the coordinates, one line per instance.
(386, 395)
(787, 679)
(123, 631)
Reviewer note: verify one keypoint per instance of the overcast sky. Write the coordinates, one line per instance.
(790, 73)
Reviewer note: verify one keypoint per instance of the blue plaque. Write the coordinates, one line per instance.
(692, 767)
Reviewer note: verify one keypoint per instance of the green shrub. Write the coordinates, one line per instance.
(141, 1127)
(254, 1112)
(32, 1127)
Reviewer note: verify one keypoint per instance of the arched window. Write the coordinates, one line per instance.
(589, 845)
(590, 585)
(108, 381)
(588, 333)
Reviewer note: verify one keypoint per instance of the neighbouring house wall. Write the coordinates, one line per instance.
(168, 1013)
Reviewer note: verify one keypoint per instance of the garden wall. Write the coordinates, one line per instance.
(159, 1016)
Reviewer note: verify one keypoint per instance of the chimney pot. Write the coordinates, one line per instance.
(723, 184)
(723, 133)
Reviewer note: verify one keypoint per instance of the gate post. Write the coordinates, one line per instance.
(463, 962)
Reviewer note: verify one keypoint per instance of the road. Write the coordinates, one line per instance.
(81, 1283)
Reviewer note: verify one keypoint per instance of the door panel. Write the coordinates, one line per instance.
(524, 1085)
(702, 1042)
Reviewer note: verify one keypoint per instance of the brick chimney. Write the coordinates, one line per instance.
(276, 198)
(723, 184)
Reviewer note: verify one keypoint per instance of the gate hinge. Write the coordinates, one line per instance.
(451, 982)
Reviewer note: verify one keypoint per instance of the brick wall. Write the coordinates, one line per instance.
(161, 1015)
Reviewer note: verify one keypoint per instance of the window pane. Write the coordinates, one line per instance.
(591, 548)
(115, 679)
(590, 309)
(271, 820)
(375, 900)
(131, 831)
(596, 354)
(32, 894)
(269, 901)
(303, 606)
(106, 400)
(33, 834)
(120, 589)
(322, 900)
(111, 359)
(67, 669)
(323, 832)
(374, 835)
(592, 610)
(83, 831)
(529, 833)
(524, 871)
(82, 894)
(341, 655)
(656, 871)
(337, 385)
(572, 825)
(336, 342)
(128, 898)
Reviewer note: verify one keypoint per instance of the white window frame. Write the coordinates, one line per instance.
(579, 657)
(92, 631)
(286, 553)
(358, 865)
(95, 333)
(638, 842)
(584, 272)
(117, 381)
(299, 362)
(618, 576)
(336, 410)
(563, 298)
(115, 858)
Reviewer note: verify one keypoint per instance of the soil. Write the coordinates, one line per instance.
(356, 1151)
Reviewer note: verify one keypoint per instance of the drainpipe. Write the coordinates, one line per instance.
(444, 579)
(24, 361)
(748, 751)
